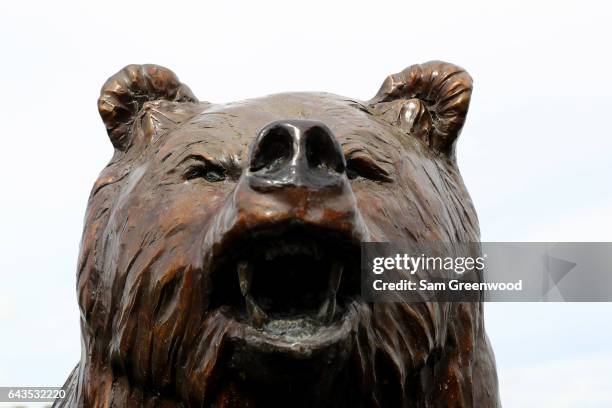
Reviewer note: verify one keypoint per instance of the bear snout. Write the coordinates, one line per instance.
(295, 153)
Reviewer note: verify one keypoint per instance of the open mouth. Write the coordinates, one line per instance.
(287, 282)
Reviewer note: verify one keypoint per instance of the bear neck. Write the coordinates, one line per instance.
(94, 385)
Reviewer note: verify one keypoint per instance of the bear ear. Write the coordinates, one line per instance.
(123, 95)
(428, 101)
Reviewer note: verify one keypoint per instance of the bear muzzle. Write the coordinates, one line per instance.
(284, 249)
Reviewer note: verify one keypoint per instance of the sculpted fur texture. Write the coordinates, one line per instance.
(219, 264)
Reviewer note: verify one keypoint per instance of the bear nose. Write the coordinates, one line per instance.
(297, 153)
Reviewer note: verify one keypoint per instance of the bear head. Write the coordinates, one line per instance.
(219, 263)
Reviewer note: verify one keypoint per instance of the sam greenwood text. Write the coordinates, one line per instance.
(453, 284)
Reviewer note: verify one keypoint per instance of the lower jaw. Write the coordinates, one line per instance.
(290, 368)
(296, 337)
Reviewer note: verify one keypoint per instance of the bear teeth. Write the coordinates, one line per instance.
(245, 273)
(328, 308)
(256, 316)
(335, 276)
(285, 249)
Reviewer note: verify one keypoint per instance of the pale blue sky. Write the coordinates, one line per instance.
(535, 151)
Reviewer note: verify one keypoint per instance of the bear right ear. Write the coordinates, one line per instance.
(428, 101)
(123, 95)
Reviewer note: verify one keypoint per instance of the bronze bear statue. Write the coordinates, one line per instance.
(219, 263)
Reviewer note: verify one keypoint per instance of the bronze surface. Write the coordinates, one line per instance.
(186, 281)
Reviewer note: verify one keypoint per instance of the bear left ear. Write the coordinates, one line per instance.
(428, 101)
(123, 95)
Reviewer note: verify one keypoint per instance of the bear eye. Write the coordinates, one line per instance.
(206, 170)
(365, 167)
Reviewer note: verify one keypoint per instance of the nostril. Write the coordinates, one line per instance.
(273, 150)
(295, 153)
(322, 151)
